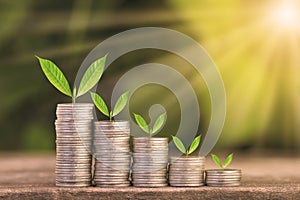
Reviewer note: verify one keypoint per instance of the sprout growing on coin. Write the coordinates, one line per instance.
(157, 124)
(180, 146)
(102, 107)
(219, 163)
(59, 81)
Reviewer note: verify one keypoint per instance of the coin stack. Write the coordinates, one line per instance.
(73, 139)
(223, 177)
(112, 152)
(186, 171)
(150, 158)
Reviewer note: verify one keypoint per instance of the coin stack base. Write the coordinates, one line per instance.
(112, 152)
(150, 158)
(223, 177)
(186, 171)
(73, 139)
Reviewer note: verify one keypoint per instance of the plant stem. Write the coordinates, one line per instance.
(74, 95)
(110, 116)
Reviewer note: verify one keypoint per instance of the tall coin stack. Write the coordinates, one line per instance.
(112, 152)
(73, 139)
(186, 171)
(223, 177)
(150, 158)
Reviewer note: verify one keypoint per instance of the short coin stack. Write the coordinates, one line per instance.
(150, 158)
(186, 171)
(223, 177)
(73, 139)
(112, 152)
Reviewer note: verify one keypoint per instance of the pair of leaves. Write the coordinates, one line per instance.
(157, 124)
(101, 105)
(219, 163)
(59, 81)
(181, 146)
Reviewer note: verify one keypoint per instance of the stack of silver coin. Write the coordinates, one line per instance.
(73, 140)
(186, 171)
(112, 152)
(223, 177)
(150, 158)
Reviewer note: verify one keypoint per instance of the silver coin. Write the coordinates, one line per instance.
(222, 181)
(151, 139)
(147, 158)
(71, 168)
(73, 153)
(112, 176)
(73, 164)
(224, 185)
(186, 179)
(223, 171)
(71, 174)
(113, 140)
(136, 184)
(150, 173)
(187, 168)
(114, 185)
(158, 147)
(149, 177)
(186, 184)
(116, 164)
(151, 154)
(224, 177)
(73, 160)
(70, 148)
(116, 155)
(59, 184)
(113, 161)
(114, 182)
(188, 158)
(73, 179)
(115, 136)
(150, 151)
(70, 159)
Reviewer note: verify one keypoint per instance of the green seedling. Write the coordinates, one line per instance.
(180, 146)
(59, 81)
(219, 163)
(102, 107)
(156, 127)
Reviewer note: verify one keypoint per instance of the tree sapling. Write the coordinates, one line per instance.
(102, 107)
(219, 163)
(156, 127)
(182, 148)
(59, 81)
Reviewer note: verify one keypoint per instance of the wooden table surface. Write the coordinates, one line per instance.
(31, 176)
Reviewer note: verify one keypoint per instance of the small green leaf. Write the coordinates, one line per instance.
(141, 122)
(194, 144)
(92, 76)
(179, 144)
(217, 160)
(159, 122)
(121, 103)
(55, 76)
(99, 103)
(228, 160)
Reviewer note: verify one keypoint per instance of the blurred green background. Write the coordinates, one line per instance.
(255, 44)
